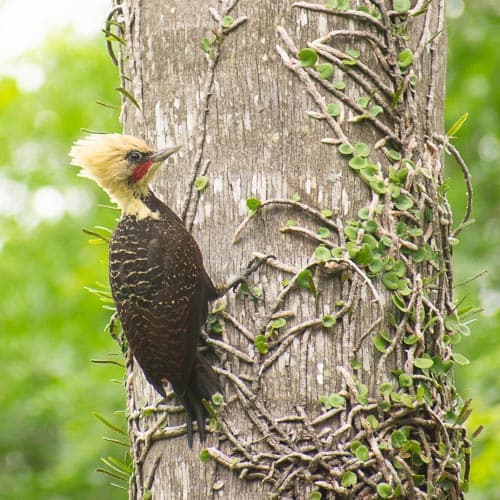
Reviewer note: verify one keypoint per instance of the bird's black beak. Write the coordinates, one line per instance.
(163, 154)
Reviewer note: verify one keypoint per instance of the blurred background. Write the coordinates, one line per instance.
(53, 69)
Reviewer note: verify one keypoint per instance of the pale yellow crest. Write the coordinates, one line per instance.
(102, 158)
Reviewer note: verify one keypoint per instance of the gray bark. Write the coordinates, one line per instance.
(243, 116)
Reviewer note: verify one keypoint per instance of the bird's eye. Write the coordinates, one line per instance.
(134, 156)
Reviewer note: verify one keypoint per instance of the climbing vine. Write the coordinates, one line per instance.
(406, 437)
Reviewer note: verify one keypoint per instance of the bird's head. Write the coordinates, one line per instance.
(121, 164)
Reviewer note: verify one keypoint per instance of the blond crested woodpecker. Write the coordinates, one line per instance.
(158, 281)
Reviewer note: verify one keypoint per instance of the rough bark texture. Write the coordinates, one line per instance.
(252, 120)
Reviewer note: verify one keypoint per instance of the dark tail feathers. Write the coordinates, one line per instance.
(202, 385)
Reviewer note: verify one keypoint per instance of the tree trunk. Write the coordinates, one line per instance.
(338, 378)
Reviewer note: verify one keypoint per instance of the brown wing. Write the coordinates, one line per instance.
(157, 279)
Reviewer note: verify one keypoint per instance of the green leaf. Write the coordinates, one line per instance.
(278, 323)
(372, 421)
(227, 21)
(460, 359)
(323, 232)
(400, 268)
(355, 364)
(411, 339)
(362, 453)
(363, 101)
(322, 254)
(361, 149)
(253, 204)
(107, 423)
(394, 155)
(398, 439)
(295, 197)
(315, 495)
(415, 232)
(376, 266)
(308, 57)
(345, 149)
(405, 380)
(325, 70)
(354, 53)
(376, 110)
(364, 256)
(423, 363)
(390, 280)
(399, 302)
(405, 58)
(129, 96)
(385, 388)
(403, 202)
(336, 401)
(328, 321)
(326, 212)
(201, 182)
(364, 213)
(260, 343)
(384, 490)
(343, 5)
(348, 479)
(380, 344)
(351, 233)
(206, 45)
(378, 186)
(370, 226)
(304, 280)
(402, 5)
(204, 455)
(338, 84)
(357, 163)
(331, 4)
(333, 109)
(457, 125)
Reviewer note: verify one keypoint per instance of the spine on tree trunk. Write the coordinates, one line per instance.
(313, 132)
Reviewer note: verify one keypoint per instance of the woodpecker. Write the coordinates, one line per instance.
(156, 272)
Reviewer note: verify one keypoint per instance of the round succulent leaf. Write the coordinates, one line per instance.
(227, 21)
(325, 70)
(329, 321)
(361, 149)
(460, 359)
(405, 380)
(405, 58)
(323, 232)
(322, 253)
(278, 323)
(403, 202)
(348, 479)
(384, 490)
(398, 439)
(362, 453)
(308, 57)
(201, 182)
(338, 84)
(402, 5)
(423, 363)
(390, 280)
(376, 110)
(345, 149)
(253, 203)
(333, 109)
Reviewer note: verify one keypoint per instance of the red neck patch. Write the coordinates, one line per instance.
(140, 171)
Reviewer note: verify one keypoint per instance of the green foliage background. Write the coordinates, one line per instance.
(50, 444)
